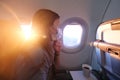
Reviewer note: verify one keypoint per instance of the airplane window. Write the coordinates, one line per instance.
(74, 34)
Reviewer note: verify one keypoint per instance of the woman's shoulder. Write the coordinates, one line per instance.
(37, 55)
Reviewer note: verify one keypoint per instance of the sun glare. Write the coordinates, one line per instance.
(27, 31)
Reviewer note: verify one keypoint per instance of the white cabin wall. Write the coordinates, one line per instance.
(25, 9)
(89, 10)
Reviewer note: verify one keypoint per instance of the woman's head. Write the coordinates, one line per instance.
(45, 21)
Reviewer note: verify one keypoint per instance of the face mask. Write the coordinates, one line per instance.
(53, 37)
(57, 36)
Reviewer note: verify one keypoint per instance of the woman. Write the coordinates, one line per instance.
(37, 63)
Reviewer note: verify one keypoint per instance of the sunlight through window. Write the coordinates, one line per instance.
(26, 30)
(72, 35)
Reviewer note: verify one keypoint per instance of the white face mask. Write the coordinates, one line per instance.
(54, 30)
(57, 36)
(54, 37)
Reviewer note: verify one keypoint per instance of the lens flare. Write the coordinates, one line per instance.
(27, 31)
(10, 10)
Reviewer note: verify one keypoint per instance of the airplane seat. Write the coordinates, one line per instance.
(108, 49)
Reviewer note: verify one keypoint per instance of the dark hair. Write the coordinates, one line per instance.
(42, 20)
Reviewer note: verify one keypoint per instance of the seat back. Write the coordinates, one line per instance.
(108, 51)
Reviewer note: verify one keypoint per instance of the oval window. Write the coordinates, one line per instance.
(74, 34)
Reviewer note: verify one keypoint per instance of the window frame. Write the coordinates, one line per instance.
(84, 35)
